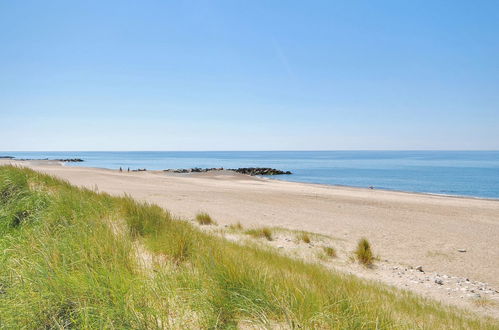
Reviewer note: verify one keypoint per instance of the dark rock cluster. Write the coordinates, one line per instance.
(70, 160)
(194, 170)
(65, 160)
(259, 171)
(242, 170)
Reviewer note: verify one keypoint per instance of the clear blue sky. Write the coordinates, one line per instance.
(249, 75)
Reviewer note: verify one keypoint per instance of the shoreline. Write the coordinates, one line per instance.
(290, 179)
(496, 199)
(266, 178)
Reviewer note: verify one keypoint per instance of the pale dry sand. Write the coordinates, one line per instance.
(405, 229)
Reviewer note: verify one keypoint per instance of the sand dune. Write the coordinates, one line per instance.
(404, 228)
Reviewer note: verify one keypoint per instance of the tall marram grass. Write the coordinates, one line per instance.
(204, 218)
(264, 232)
(363, 253)
(71, 258)
(305, 237)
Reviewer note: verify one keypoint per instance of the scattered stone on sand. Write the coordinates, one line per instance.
(439, 281)
(461, 250)
(420, 268)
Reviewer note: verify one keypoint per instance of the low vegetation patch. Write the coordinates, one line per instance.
(264, 232)
(484, 302)
(204, 219)
(236, 226)
(70, 259)
(329, 251)
(363, 253)
(304, 237)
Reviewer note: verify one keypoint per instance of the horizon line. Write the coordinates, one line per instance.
(251, 150)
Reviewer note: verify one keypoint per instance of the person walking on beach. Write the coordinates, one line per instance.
(121, 170)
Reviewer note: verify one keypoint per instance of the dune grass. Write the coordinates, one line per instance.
(236, 226)
(204, 218)
(304, 237)
(72, 258)
(363, 253)
(264, 232)
(329, 251)
(484, 302)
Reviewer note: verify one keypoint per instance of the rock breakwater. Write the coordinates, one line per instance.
(242, 170)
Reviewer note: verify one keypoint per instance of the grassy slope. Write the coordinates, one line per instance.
(69, 259)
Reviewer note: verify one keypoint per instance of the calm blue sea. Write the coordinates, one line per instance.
(466, 173)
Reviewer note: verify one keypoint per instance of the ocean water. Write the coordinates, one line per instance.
(463, 173)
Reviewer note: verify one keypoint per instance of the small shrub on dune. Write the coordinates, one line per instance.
(264, 232)
(363, 253)
(204, 219)
(305, 238)
(329, 251)
(267, 233)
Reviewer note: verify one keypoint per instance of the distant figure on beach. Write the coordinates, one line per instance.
(128, 169)
(121, 170)
(371, 187)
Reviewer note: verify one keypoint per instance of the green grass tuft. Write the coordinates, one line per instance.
(264, 232)
(329, 251)
(204, 219)
(236, 226)
(305, 237)
(363, 253)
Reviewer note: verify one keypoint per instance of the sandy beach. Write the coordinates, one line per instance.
(458, 237)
